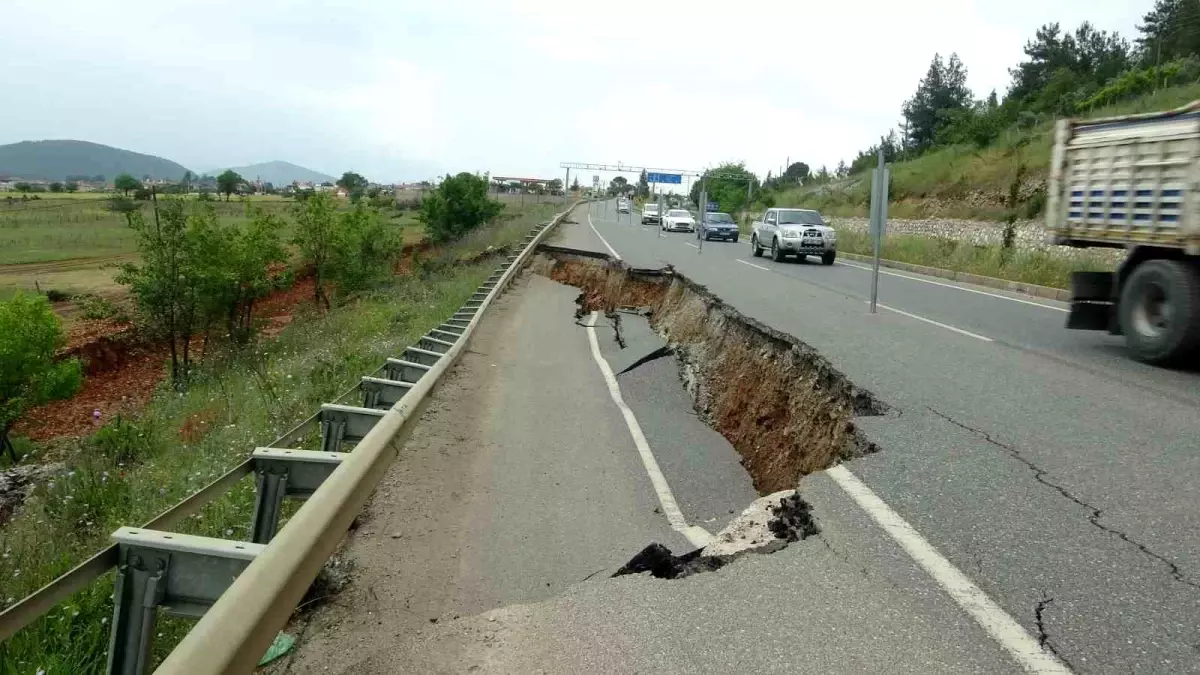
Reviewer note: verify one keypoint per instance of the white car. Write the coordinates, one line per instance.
(650, 214)
(798, 232)
(678, 220)
(623, 206)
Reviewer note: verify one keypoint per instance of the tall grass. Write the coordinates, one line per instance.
(1041, 267)
(134, 468)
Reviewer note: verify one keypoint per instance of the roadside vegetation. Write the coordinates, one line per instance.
(246, 391)
(1030, 266)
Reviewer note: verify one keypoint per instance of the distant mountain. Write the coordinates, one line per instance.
(55, 160)
(278, 173)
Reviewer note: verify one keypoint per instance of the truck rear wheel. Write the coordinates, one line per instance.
(1159, 311)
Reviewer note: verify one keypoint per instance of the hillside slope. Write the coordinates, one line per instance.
(278, 173)
(57, 159)
(965, 181)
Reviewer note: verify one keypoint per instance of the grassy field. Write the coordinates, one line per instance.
(1041, 267)
(70, 244)
(134, 468)
(947, 182)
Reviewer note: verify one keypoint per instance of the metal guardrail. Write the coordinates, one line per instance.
(244, 592)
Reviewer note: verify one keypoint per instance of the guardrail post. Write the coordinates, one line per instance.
(140, 587)
(271, 487)
(332, 433)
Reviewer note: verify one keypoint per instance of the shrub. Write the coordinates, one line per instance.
(93, 306)
(459, 205)
(30, 334)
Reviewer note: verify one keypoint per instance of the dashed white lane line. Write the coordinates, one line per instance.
(757, 267)
(698, 536)
(939, 324)
(957, 288)
(1023, 648)
(688, 243)
(602, 239)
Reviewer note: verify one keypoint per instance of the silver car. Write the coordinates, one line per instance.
(798, 232)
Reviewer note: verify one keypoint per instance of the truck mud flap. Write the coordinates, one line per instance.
(1093, 302)
(1090, 316)
(1094, 286)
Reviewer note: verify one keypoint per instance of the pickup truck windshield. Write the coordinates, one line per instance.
(650, 208)
(718, 218)
(787, 217)
(679, 214)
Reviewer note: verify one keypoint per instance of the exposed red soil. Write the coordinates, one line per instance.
(122, 370)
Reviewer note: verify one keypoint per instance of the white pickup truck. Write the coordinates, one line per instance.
(1134, 183)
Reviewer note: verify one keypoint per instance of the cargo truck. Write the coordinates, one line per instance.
(1133, 183)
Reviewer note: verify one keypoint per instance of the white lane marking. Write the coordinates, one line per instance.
(602, 239)
(698, 536)
(990, 616)
(957, 288)
(690, 244)
(757, 267)
(939, 324)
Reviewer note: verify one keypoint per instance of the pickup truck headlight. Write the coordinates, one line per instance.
(791, 234)
(831, 236)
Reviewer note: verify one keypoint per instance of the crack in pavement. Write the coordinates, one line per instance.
(659, 353)
(1039, 474)
(1039, 611)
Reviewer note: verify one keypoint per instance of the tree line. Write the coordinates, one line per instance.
(1064, 73)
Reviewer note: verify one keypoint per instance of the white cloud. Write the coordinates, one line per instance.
(406, 89)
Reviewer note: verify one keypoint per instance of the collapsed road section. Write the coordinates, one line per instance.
(785, 409)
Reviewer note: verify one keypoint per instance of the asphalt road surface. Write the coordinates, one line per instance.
(490, 544)
(1032, 507)
(1058, 475)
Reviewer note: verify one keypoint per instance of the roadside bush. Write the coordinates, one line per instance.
(459, 205)
(123, 442)
(92, 306)
(30, 334)
(363, 250)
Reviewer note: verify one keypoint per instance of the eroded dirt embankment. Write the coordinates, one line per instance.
(784, 408)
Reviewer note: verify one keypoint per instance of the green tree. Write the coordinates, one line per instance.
(126, 183)
(1169, 31)
(56, 187)
(30, 335)
(187, 180)
(234, 266)
(315, 235)
(943, 88)
(1062, 69)
(22, 187)
(575, 184)
(459, 205)
(72, 186)
(228, 183)
(364, 249)
(643, 185)
(618, 186)
(555, 186)
(167, 283)
(728, 185)
(796, 173)
(354, 185)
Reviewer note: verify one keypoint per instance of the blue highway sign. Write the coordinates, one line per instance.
(664, 178)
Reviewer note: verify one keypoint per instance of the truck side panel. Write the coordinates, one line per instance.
(1127, 183)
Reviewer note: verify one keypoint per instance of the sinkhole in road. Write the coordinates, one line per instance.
(783, 407)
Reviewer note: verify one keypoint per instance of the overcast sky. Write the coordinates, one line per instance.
(406, 90)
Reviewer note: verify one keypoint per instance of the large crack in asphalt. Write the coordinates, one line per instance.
(782, 406)
(1095, 513)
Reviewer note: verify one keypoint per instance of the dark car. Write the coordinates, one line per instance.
(717, 226)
